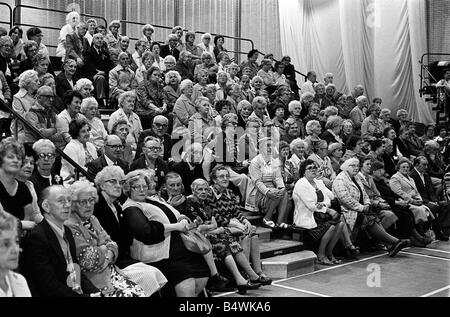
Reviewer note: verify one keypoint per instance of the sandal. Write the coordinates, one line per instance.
(324, 261)
(334, 260)
(268, 223)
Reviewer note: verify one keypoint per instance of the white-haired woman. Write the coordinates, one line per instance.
(221, 85)
(298, 149)
(89, 108)
(313, 130)
(325, 170)
(127, 101)
(355, 204)
(108, 211)
(312, 200)
(244, 110)
(335, 154)
(206, 46)
(170, 62)
(85, 87)
(386, 120)
(257, 84)
(66, 79)
(155, 227)
(259, 117)
(112, 38)
(72, 20)
(201, 124)
(333, 130)
(172, 88)
(202, 79)
(295, 111)
(96, 251)
(11, 284)
(184, 108)
(147, 33)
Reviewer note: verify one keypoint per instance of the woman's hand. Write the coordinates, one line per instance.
(272, 193)
(183, 226)
(320, 205)
(27, 224)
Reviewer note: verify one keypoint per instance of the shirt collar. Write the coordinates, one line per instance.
(108, 161)
(218, 194)
(58, 231)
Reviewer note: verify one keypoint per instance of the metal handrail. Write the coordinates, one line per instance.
(229, 37)
(300, 73)
(58, 11)
(10, 14)
(422, 65)
(39, 134)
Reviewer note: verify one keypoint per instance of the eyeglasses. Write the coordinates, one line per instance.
(85, 202)
(116, 147)
(223, 177)
(311, 168)
(115, 182)
(48, 96)
(47, 156)
(160, 125)
(140, 187)
(153, 148)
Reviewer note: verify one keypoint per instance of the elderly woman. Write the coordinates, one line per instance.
(152, 99)
(200, 86)
(330, 92)
(334, 128)
(206, 46)
(109, 213)
(223, 202)
(244, 109)
(196, 51)
(172, 88)
(372, 126)
(325, 170)
(85, 87)
(184, 108)
(259, 117)
(96, 251)
(299, 153)
(31, 48)
(282, 98)
(89, 108)
(16, 34)
(335, 154)
(66, 79)
(295, 110)
(313, 130)
(388, 218)
(353, 149)
(72, 20)
(271, 195)
(358, 213)
(346, 131)
(436, 166)
(11, 284)
(15, 197)
(170, 62)
(313, 112)
(403, 120)
(208, 65)
(201, 124)
(156, 229)
(266, 74)
(291, 130)
(23, 100)
(122, 78)
(40, 64)
(147, 62)
(127, 101)
(79, 149)
(257, 84)
(113, 37)
(225, 246)
(147, 33)
(312, 201)
(404, 186)
(385, 116)
(155, 48)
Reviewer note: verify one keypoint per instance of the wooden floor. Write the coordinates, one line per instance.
(414, 272)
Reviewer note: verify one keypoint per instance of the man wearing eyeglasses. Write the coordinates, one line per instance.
(43, 176)
(113, 151)
(42, 117)
(159, 130)
(152, 160)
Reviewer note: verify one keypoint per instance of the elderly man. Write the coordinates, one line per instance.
(50, 262)
(185, 67)
(171, 47)
(121, 78)
(358, 113)
(159, 128)
(97, 65)
(151, 159)
(358, 91)
(329, 77)
(113, 153)
(76, 44)
(372, 126)
(42, 117)
(124, 44)
(308, 86)
(43, 176)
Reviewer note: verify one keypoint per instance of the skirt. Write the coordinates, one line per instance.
(123, 286)
(146, 276)
(323, 224)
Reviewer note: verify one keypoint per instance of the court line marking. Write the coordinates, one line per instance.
(436, 291)
(329, 268)
(426, 256)
(301, 290)
(437, 250)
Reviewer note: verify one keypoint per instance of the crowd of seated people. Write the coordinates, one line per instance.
(195, 139)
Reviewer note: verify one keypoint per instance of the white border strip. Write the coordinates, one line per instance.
(301, 290)
(437, 250)
(426, 256)
(436, 291)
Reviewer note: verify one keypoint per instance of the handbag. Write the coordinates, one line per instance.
(194, 240)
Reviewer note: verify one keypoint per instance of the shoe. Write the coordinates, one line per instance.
(397, 247)
(334, 260)
(352, 251)
(440, 236)
(219, 283)
(263, 280)
(324, 261)
(242, 289)
(268, 223)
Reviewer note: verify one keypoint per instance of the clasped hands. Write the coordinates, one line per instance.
(275, 193)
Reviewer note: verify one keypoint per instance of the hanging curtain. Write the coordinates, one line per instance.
(373, 43)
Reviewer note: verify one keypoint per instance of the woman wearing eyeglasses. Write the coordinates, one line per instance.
(110, 215)
(156, 231)
(320, 156)
(312, 201)
(96, 251)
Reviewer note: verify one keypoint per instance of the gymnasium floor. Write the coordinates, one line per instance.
(414, 272)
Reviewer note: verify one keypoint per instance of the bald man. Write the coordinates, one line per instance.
(50, 262)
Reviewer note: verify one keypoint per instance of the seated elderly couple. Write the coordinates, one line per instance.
(326, 226)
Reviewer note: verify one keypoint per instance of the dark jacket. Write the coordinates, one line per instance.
(40, 182)
(75, 46)
(44, 265)
(165, 51)
(167, 143)
(94, 61)
(187, 175)
(62, 84)
(97, 165)
(116, 229)
(426, 190)
(161, 169)
(327, 136)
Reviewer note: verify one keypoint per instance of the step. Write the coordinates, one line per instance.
(253, 217)
(263, 233)
(288, 265)
(276, 247)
